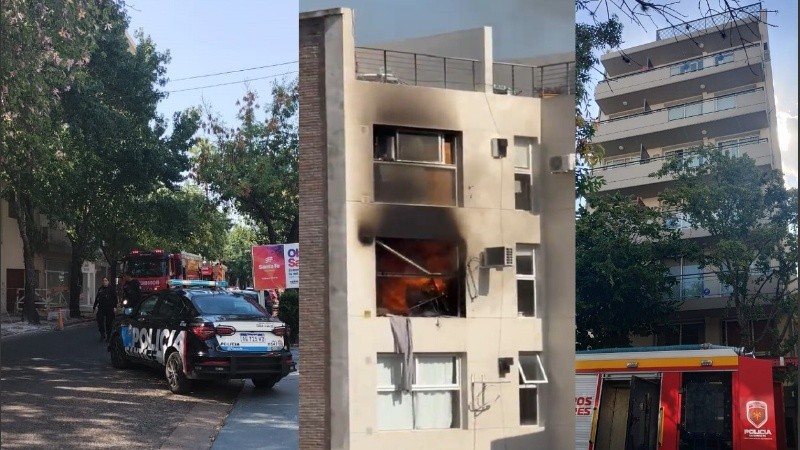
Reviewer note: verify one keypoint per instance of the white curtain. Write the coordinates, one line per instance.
(433, 370)
(394, 411)
(433, 409)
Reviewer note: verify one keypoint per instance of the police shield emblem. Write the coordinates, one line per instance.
(757, 413)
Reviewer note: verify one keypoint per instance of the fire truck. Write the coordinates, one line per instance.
(687, 397)
(154, 267)
(213, 271)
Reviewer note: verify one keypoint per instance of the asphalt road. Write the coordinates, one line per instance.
(59, 391)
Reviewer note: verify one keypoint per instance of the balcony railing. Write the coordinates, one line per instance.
(702, 285)
(688, 153)
(692, 109)
(692, 65)
(416, 69)
(534, 81)
(716, 20)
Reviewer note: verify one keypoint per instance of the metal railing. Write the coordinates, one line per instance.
(416, 69)
(534, 81)
(702, 285)
(689, 152)
(710, 58)
(716, 20)
(699, 110)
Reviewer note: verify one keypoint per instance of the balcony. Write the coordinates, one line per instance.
(634, 174)
(719, 116)
(416, 69)
(703, 290)
(534, 81)
(745, 13)
(717, 72)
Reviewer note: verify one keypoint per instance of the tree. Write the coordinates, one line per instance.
(238, 256)
(253, 167)
(289, 311)
(45, 48)
(751, 218)
(624, 284)
(184, 220)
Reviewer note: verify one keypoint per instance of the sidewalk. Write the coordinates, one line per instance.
(263, 420)
(12, 325)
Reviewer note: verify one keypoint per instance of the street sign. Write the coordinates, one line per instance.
(87, 267)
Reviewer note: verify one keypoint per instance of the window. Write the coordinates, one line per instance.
(523, 155)
(723, 58)
(417, 167)
(682, 334)
(526, 280)
(531, 375)
(147, 306)
(733, 335)
(418, 277)
(731, 146)
(434, 401)
(726, 102)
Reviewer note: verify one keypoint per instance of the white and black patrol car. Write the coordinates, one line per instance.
(197, 331)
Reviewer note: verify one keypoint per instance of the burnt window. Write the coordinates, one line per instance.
(415, 166)
(418, 277)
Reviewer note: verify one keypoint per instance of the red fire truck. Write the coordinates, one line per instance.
(213, 271)
(154, 267)
(677, 398)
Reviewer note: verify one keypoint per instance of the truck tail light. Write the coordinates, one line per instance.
(225, 330)
(203, 331)
(279, 331)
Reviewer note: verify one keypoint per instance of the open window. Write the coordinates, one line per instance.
(416, 166)
(531, 375)
(418, 277)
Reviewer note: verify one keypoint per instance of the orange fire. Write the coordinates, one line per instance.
(409, 286)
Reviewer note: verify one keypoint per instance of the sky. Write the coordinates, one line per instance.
(207, 37)
(782, 18)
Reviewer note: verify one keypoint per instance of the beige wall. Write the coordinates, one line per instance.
(492, 328)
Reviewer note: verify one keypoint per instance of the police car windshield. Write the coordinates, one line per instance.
(227, 305)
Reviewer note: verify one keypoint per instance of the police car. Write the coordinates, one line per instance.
(199, 330)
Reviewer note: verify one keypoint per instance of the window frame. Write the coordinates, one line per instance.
(524, 383)
(524, 172)
(523, 249)
(455, 387)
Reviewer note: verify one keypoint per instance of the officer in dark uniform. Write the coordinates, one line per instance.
(104, 302)
(132, 291)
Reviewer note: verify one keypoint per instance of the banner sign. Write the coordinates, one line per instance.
(276, 266)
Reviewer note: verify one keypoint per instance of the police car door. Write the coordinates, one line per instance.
(135, 334)
(167, 328)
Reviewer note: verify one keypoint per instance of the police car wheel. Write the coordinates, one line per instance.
(265, 382)
(118, 358)
(178, 383)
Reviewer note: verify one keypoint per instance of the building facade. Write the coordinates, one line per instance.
(51, 262)
(706, 82)
(437, 299)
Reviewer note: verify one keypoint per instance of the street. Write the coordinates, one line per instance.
(59, 391)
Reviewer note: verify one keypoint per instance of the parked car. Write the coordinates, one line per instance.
(196, 332)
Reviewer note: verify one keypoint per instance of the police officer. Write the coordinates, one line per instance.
(132, 291)
(104, 302)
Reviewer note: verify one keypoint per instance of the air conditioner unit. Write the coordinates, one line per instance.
(562, 163)
(499, 148)
(497, 257)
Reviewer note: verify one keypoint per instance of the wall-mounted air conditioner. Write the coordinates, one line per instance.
(499, 147)
(562, 163)
(497, 257)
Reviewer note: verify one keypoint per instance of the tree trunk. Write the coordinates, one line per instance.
(23, 209)
(75, 280)
(294, 230)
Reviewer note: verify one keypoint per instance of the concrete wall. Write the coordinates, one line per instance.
(342, 334)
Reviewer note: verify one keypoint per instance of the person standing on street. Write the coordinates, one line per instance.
(104, 303)
(132, 291)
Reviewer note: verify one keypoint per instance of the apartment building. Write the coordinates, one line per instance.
(51, 262)
(703, 82)
(437, 227)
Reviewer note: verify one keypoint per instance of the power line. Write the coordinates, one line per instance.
(232, 82)
(235, 71)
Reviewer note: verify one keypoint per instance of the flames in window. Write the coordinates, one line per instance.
(417, 277)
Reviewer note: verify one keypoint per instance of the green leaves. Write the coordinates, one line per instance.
(253, 167)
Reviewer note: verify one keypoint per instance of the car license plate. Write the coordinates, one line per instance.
(256, 338)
